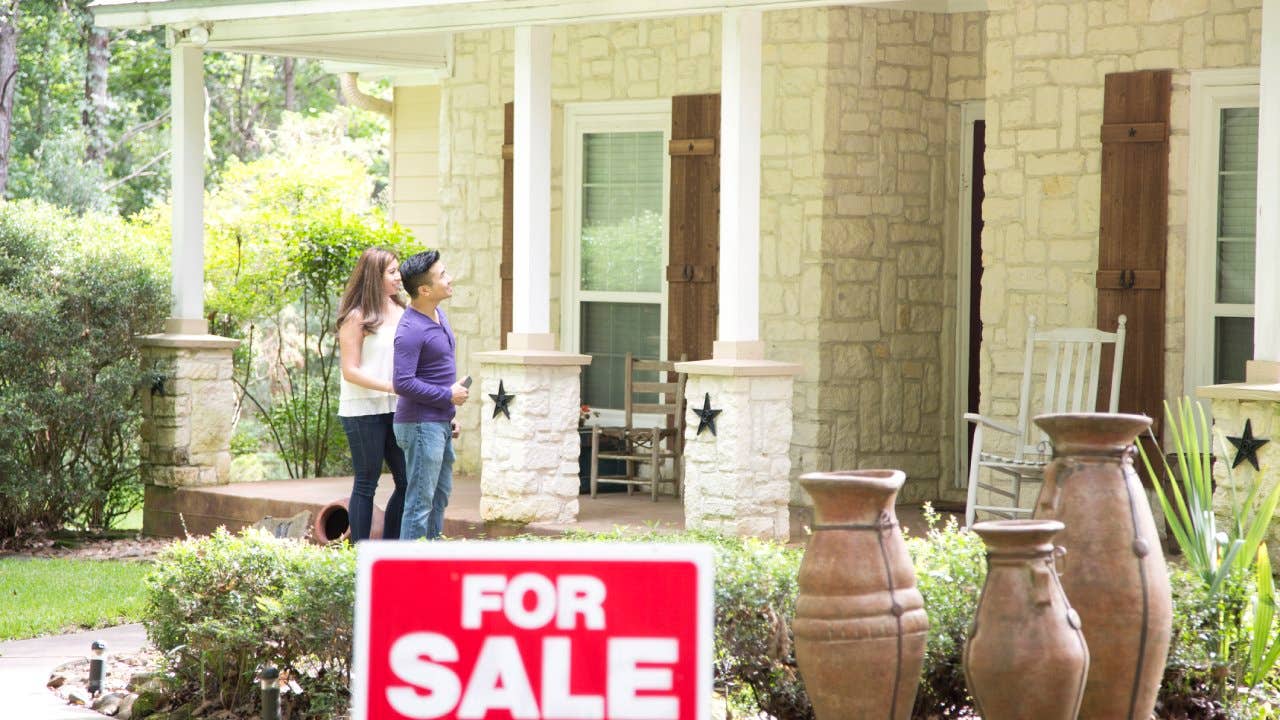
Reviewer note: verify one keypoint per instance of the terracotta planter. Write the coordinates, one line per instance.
(1026, 657)
(1114, 571)
(333, 522)
(860, 622)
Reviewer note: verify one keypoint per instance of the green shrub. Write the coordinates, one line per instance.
(222, 606)
(951, 567)
(69, 367)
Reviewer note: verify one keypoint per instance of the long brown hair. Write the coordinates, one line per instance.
(364, 289)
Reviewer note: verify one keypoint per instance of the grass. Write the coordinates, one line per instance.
(43, 596)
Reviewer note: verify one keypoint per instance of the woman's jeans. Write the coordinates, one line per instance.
(373, 441)
(428, 454)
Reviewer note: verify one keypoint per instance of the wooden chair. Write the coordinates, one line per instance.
(1070, 385)
(655, 445)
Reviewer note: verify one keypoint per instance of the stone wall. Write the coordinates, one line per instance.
(854, 204)
(180, 447)
(1046, 63)
(884, 294)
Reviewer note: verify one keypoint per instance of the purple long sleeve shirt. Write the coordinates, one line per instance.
(425, 368)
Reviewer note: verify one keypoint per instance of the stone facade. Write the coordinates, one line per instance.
(737, 481)
(884, 302)
(1046, 63)
(854, 205)
(529, 462)
(180, 446)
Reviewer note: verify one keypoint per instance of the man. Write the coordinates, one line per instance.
(425, 377)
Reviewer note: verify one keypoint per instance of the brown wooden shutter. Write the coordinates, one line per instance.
(1134, 233)
(694, 252)
(508, 226)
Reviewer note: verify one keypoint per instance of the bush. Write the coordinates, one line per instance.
(222, 606)
(69, 369)
(950, 568)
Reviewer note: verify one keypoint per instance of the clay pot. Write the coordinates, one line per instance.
(1114, 571)
(860, 623)
(1026, 657)
(333, 522)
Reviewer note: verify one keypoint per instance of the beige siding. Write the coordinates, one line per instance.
(415, 162)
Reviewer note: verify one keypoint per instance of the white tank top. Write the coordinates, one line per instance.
(376, 359)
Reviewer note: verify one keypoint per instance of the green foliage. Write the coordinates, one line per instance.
(283, 233)
(624, 256)
(69, 368)
(951, 568)
(48, 595)
(1231, 565)
(221, 606)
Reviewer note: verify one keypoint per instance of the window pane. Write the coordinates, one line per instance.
(1237, 204)
(622, 212)
(1233, 345)
(609, 332)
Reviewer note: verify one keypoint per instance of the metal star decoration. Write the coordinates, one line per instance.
(1247, 446)
(706, 415)
(502, 401)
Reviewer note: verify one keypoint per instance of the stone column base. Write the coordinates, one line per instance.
(187, 411)
(1233, 404)
(738, 481)
(529, 462)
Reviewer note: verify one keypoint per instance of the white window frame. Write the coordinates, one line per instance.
(581, 119)
(971, 112)
(1211, 92)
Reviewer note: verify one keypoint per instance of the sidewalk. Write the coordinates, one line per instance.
(25, 666)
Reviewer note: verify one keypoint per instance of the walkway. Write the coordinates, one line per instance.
(25, 666)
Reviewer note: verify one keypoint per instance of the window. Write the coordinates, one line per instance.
(1224, 177)
(615, 240)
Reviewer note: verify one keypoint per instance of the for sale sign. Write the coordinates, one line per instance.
(564, 631)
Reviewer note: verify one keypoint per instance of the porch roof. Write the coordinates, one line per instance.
(414, 33)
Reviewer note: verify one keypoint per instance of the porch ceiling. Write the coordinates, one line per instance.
(413, 33)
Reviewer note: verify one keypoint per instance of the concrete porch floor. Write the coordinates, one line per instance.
(174, 512)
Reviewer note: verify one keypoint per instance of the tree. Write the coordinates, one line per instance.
(8, 82)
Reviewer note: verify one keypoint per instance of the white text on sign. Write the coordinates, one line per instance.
(499, 680)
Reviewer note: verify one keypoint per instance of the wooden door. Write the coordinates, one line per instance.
(694, 236)
(1133, 233)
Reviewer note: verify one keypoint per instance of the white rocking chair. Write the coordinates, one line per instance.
(1070, 385)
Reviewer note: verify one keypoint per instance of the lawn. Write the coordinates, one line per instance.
(42, 596)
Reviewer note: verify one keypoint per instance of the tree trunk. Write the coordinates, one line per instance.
(8, 82)
(290, 87)
(94, 116)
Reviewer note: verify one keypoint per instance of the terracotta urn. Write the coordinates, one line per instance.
(860, 623)
(1026, 657)
(1114, 571)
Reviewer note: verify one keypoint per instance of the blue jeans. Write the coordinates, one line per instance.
(428, 454)
(372, 441)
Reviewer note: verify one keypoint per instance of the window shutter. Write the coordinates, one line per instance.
(508, 226)
(1134, 233)
(694, 243)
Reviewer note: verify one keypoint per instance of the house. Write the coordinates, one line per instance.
(801, 182)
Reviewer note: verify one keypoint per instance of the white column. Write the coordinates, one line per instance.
(1266, 302)
(739, 276)
(187, 94)
(531, 206)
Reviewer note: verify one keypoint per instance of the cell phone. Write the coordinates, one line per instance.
(466, 382)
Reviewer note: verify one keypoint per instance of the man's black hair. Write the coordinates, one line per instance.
(414, 269)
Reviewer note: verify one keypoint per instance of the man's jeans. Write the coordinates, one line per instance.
(428, 454)
(372, 442)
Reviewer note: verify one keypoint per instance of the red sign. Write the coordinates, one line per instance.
(522, 631)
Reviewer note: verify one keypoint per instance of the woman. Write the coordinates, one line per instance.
(368, 314)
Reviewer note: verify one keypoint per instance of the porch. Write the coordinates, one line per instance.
(238, 505)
